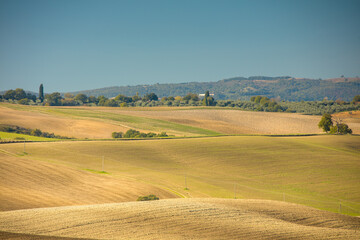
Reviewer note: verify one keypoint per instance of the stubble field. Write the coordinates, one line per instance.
(184, 219)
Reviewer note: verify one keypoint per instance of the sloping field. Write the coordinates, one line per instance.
(29, 183)
(318, 171)
(4, 136)
(236, 121)
(184, 219)
(100, 122)
(60, 125)
(89, 122)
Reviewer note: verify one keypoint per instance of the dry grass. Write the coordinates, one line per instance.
(184, 219)
(29, 183)
(100, 122)
(351, 118)
(317, 171)
(64, 126)
(233, 121)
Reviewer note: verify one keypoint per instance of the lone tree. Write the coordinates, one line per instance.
(41, 93)
(326, 122)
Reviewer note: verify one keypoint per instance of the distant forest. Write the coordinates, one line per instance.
(240, 88)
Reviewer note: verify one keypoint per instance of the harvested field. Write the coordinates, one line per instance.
(60, 125)
(235, 121)
(29, 183)
(183, 219)
(90, 122)
(100, 122)
(318, 171)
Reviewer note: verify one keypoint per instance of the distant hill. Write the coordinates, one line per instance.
(286, 87)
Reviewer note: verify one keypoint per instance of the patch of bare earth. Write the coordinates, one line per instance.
(29, 183)
(78, 128)
(184, 219)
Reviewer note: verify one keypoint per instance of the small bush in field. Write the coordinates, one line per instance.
(148, 198)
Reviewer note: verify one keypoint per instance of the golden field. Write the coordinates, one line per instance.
(183, 219)
(286, 187)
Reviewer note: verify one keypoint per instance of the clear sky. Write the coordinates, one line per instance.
(73, 45)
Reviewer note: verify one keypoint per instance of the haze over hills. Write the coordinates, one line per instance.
(286, 87)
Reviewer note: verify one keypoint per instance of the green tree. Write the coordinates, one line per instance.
(81, 97)
(111, 103)
(131, 133)
(117, 134)
(123, 98)
(36, 132)
(41, 92)
(356, 99)
(325, 122)
(151, 97)
(92, 99)
(206, 100)
(24, 101)
(31, 97)
(340, 128)
(9, 94)
(136, 97)
(53, 99)
(20, 94)
(191, 96)
(257, 99)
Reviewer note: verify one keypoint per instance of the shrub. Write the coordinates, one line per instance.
(148, 198)
(117, 134)
(36, 132)
(19, 138)
(341, 128)
(24, 101)
(163, 134)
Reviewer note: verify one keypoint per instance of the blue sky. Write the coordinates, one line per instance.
(73, 45)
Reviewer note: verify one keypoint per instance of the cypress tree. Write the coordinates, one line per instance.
(41, 93)
(206, 100)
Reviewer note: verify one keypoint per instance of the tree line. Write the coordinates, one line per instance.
(28, 131)
(256, 103)
(240, 88)
(131, 133)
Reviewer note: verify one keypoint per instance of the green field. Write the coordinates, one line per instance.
(5, 136)
(318, 171)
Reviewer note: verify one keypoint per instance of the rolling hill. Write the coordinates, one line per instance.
(287, 88)
(100, 122)
(183, 219)
(318, 171)
(57, 190)
(27, 183)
